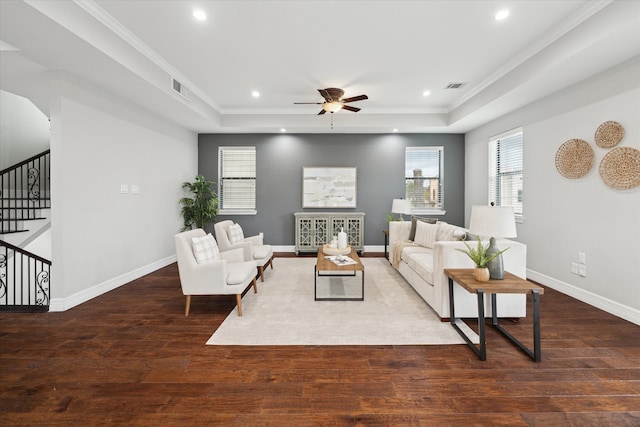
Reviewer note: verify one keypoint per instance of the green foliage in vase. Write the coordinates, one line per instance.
(479, 255)
(391, 217)
(200, 209)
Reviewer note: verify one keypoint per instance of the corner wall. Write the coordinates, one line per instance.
(561, 216)
(102, 239)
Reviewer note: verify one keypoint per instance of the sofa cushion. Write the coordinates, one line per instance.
(426, 234)
(205, 249)
(448, 232)
(235, 234)
(422, 263)
(411, 250)
(415, 220)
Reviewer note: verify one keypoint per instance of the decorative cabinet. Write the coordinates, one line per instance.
(314, 229)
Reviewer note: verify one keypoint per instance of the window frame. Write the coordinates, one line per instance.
(494, 188)
(221, 182)
(424, 210)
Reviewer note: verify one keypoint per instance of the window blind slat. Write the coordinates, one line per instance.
(506, 170)
(237, 177)
(423, 177)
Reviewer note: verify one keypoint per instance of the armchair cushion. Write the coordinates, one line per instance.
(235, 234)
(205, 249)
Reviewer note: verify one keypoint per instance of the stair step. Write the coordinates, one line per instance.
(13, 232)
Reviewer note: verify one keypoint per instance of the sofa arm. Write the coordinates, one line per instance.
(398, 230)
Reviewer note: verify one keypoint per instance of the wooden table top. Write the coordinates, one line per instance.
(324, 264)
(511, 284)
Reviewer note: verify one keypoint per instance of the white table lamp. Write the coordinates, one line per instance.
(494, 222)
(401, 206)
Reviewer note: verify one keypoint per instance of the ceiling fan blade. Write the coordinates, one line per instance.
(325, 95)
(314, 103)
(356, 98)
(350, 108)
(322, 112)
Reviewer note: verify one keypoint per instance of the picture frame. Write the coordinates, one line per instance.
(329, 187)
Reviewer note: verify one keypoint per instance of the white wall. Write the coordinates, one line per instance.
(563, 217)
(102, 238)
(24, 129)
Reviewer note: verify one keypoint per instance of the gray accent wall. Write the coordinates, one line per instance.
(379, 159)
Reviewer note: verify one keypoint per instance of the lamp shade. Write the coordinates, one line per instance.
(493, 221)
(401, 206)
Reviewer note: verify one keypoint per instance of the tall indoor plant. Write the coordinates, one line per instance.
(200, 209)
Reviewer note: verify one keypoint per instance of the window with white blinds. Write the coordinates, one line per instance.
(423, 178)
(506, 170)
(237, 180)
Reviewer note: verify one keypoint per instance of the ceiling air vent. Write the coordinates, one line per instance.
(454, 85)
(180, 88)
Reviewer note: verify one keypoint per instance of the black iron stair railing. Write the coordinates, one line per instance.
(24, 191)
(24, 280)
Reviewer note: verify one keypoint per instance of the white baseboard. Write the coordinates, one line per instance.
(625, 312)
(63, 304)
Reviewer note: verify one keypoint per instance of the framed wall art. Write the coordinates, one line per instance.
(329, 187)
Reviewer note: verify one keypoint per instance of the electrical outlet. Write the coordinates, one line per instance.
(135, 189)
(574, 267)
(582, 270)
(582, 258)
(124, 188)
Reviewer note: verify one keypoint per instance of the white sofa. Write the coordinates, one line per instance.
(423, 268)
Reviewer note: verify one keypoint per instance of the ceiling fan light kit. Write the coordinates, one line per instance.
(333, 102)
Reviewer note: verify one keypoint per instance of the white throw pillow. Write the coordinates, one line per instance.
(205, 249)
(235, 234)
(426, 234)
(448, 232)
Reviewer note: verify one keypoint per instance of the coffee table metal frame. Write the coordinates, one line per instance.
(330, 266)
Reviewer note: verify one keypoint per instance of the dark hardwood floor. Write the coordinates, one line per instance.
(131, 357)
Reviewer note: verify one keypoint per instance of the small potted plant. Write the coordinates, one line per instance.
(202, 208)
(480, 257)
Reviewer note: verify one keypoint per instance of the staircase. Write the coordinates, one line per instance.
(24, 213)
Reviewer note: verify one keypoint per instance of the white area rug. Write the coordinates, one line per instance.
(284, 312)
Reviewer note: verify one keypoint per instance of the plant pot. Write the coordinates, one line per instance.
(481, 274)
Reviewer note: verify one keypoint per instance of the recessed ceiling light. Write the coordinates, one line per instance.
(283, 130)
(426, 93)
(255, 94)
(200, 15)
(395, 129)
(503, 14)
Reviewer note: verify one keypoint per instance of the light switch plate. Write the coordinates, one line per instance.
(124, 188)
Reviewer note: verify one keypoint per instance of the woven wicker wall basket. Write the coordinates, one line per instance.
(620, 168)
(609, 134)
(574, 158)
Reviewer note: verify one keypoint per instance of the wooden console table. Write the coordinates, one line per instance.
(511, 284)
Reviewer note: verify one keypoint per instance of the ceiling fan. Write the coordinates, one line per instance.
(332, 102)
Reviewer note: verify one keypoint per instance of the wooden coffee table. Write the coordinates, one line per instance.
(331, 269)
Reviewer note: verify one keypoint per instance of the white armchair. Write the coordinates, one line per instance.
(227, 275)
(253, 247)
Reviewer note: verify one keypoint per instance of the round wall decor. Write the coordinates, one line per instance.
(620, 168)
(609, 134)
(574, 158)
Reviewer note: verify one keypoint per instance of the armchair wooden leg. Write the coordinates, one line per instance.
(187, 306)
(255, 286)
(239, 302)
(271, 261)
(261, 273)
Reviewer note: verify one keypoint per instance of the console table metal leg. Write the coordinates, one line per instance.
(482, 351)
(537, 350)
(481, 328)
